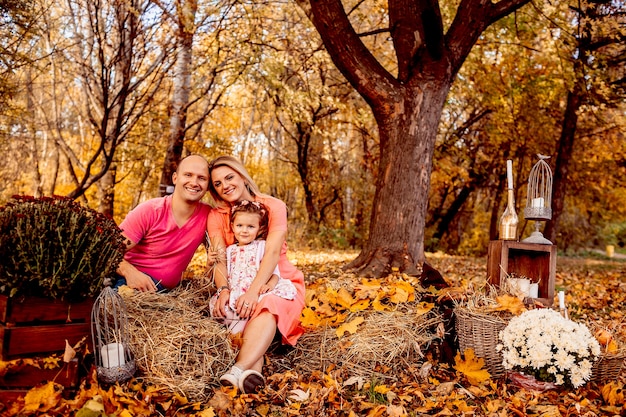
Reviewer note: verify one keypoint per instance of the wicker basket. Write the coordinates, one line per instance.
(480, 333)
(608, 367)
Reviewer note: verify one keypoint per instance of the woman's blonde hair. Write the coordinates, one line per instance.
(236, 165)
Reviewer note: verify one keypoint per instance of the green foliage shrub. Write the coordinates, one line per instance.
(614, 234)
(334, 238)
(54, 247)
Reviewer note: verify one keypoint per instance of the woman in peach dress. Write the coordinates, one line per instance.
(229, 184)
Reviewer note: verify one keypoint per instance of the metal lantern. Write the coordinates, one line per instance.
(539, 199)
(109, 331)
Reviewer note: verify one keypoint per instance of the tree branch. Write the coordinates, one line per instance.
(348, 52)
(472, 18)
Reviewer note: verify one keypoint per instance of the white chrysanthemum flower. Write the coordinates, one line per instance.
(542, 339)
(563, 359)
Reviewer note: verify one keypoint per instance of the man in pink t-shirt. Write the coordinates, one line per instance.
(165, 232)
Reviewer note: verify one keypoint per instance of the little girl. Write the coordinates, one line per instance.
(249, 222)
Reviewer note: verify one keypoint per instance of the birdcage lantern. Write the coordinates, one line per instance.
(539, 199)
(109, 331)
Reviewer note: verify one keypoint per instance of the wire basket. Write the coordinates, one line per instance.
(480, 332)
(608, 367)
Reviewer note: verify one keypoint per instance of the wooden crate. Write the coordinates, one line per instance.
(531, 260)
(33, 325)
(28, 376)
(15, 384)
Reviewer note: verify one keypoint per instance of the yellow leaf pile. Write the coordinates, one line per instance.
(330, 306)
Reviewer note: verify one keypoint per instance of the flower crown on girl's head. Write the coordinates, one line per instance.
(248, 207)
(255, 207)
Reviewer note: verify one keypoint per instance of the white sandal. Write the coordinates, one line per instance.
(231, 378)
(251, 381)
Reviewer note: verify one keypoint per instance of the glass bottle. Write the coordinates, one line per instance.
(509, 220)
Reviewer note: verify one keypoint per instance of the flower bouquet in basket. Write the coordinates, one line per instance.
(543, 350)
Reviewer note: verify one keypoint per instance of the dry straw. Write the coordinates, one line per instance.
(175, 342)
(390, 340)
(177, 345)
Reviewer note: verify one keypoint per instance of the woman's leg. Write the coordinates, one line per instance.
(257, 338)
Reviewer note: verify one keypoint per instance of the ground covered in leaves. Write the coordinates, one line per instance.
(596, 293)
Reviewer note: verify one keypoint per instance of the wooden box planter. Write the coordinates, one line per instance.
(530, 260)
(33, 326)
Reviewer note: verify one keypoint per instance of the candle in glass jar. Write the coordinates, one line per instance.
(112, 355)
(537, 202)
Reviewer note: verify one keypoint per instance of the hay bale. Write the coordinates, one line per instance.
(178, 346)
(175, 342)
(391, 339)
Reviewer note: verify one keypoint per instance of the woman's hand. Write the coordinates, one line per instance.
(246, 304)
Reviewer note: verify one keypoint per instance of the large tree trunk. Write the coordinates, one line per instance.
(407, 107)
(407, 140)
(561, 170)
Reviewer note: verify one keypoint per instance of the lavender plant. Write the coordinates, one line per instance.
(56, 248)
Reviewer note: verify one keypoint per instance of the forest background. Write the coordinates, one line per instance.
(98, 100)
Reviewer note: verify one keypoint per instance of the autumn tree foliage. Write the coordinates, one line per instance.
(597, 43)
(407, 106)
(16, 28)
(119, 71)
(208, 57)
(98, 101)
(184, 22)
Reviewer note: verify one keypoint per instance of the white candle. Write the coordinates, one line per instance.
(112, 355)
(537, 202)
(509, 173)
(534, 290)
(524, 287)
(562, 300)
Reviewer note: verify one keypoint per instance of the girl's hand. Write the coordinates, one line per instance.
(220, 305)
(271, 284)
(216, 253)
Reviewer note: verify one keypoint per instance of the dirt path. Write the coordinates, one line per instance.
(615, 255)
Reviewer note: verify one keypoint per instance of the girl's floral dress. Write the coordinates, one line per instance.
(242, 264)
